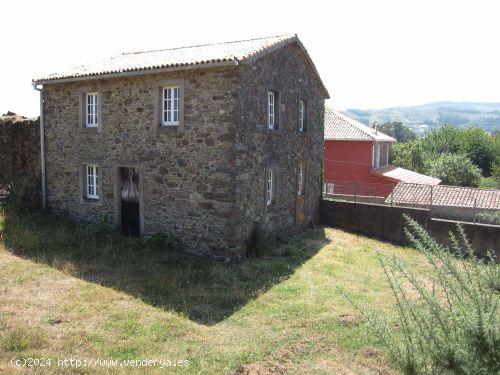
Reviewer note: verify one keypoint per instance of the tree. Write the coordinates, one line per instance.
(481, 148)
(455, 169)
(444, 140)
(409, 155)
(399, 131)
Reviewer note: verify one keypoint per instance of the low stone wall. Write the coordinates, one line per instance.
(387, 223)
(20, 152)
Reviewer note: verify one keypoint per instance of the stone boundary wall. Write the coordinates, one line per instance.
(387, 223)
(20, 151)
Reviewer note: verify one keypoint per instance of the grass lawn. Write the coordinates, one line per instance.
(73, 291)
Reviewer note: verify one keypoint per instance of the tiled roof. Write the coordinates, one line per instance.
(443, 195)
(228, 53)
(341, 127)
(405, 175)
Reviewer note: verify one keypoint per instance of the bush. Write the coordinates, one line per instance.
(449, 324)
(256, 242)
(455, 170)
(163, 242)
(488, 217)
(22, 196)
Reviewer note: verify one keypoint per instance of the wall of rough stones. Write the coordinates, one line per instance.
(207, 182)
(187, 176)
(19, 150)
(257, 148)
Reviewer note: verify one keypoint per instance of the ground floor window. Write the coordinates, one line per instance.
(92, 181)
(269, 186)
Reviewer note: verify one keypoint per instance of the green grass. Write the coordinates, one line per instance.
(72, 290)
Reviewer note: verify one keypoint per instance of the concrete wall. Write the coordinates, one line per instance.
(387, 223)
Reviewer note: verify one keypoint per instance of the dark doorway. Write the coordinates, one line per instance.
(129, 188)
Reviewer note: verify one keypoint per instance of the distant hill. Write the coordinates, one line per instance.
(421, 118)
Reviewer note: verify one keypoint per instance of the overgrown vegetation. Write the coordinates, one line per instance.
(163, 242)
(447, 323)
(443, 149)
(488, 217)
(256, 242)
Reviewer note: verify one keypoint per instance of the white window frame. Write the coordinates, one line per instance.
(300, 182)
(301, 115)
(269, 186)
(375, 155)
(171, 105)
(271, 110)
(92, 181)
(91, 112)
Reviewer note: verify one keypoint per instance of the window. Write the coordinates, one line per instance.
(269, 186)
(171, 105)
(92, 180)
(271, 110)
(302, 116)
(300, 180)
(328, 188)
(91, 113)
(375, 155)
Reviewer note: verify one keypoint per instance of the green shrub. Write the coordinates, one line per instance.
(23, 196)
(163, 242)
(256, 242)
(455, 169)
(448, 324)
(488, 217)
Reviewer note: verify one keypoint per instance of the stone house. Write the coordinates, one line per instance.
(201, 141)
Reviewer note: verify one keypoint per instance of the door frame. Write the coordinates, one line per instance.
(118, 195)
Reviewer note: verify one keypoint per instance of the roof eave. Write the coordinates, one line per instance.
(137, 72)
(350, 139)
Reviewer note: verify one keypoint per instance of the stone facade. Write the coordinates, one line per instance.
(204, 180)
(20, 150)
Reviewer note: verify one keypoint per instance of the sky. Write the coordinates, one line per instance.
(370, 54)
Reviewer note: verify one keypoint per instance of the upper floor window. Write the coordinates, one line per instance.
(375, 155)
(302, 116)
(380, 154)
(269, 186)
(271, 104)
(300, 180)
(92, 181)
(91, 109)
(171, 108)
(273, 110)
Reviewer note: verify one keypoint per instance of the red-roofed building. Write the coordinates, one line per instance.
(357, 159)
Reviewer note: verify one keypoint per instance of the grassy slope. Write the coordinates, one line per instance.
(69, 291)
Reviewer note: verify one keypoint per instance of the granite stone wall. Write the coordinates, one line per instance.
(286, 72)
(187, 174)
(205, 180)
(19, 150)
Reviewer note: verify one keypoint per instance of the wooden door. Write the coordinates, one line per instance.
(300, 193)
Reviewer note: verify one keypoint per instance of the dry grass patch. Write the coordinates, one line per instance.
(85, 293)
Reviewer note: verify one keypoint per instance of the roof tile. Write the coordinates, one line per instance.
(341, 127)
(172, 57)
